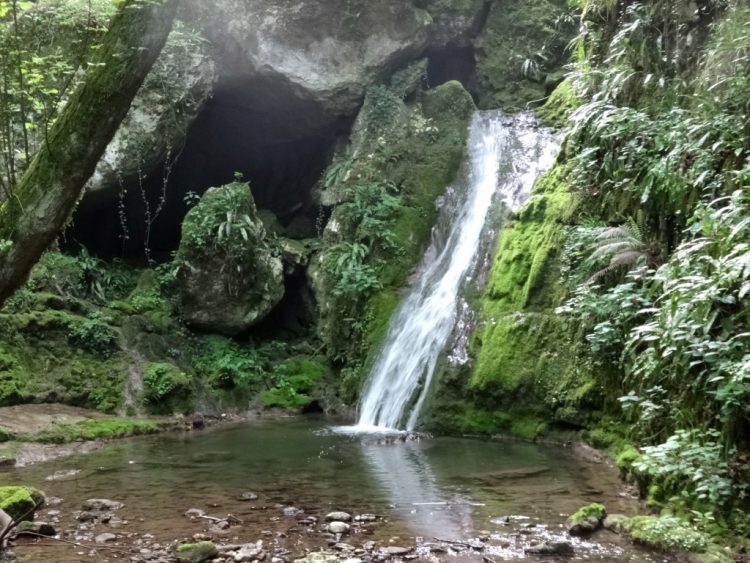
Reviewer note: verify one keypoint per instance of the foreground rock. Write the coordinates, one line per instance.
(231, 275)
(20, 503)
(586, 520)
(196, 552)
(561, 548)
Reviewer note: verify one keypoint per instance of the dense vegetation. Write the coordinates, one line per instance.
(617, 305)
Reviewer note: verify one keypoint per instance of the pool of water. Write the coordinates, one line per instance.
(510, 494)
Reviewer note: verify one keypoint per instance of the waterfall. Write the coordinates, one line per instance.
(506, 155)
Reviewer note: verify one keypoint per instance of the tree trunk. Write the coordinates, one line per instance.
(49, 190)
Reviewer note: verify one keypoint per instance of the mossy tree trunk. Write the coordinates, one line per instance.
(32, 217)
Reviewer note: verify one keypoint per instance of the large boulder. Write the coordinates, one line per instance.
(154, 129)
(230, 272)
(322, 52)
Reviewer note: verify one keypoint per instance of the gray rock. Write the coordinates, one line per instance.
(170, 99)
(561, 548)
(101, 505)
(365, 518)
(194, 513)
(291, 511)
(338, 527)
(338, 516)
(247, 496)
(105, 538)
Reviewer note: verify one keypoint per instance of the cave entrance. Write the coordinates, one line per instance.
(452, 62)
(277, 142)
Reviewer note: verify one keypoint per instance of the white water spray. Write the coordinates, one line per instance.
(506, 154)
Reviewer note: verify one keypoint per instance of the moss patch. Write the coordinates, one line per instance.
(105, 429)
(20, 502)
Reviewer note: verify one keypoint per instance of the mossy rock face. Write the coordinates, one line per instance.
(525, 353)
(415, 148)
(231, 274)
(196, 552)
(515, 31)
(21, 502)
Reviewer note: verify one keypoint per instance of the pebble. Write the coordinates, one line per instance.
(365, 518)
(248, 495)
(105, 538)
(338, 527)
(338, 516)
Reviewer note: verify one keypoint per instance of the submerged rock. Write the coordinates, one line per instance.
(35, 529)
(561, 548)
(230, 275)
(101, 505)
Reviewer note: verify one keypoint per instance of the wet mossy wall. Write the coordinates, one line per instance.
(526, 376)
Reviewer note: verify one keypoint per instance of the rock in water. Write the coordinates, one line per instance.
(20, 503)
(561, 548)
(231, 274)
(338, 516)
(338, 527)
(101, 505)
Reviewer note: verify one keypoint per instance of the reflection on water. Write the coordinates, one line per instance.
(405, 473)
(444, 487)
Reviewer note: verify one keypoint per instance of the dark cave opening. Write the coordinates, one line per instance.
(281, 149)
(452, 63)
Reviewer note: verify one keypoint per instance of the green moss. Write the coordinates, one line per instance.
(560, 105)
(594, 511)
(196, 552)
(666, 533)
(20, 502)
(296, 380)
(96, 429)
(525, 353)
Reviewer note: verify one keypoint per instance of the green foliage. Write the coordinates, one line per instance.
(666, 533)
(692, 466)
(165, 385)
(92, 334)
(225, 364)
(293, 383)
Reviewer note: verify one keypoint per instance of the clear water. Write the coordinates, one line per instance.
(448, 488)
(506, 155)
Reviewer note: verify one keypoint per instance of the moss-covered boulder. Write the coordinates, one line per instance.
(231, 273)
(20, 503)
(587, 519)
(196, 552)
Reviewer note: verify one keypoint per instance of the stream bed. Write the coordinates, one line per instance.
(500, 497)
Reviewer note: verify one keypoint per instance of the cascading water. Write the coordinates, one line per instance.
(506, 155)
